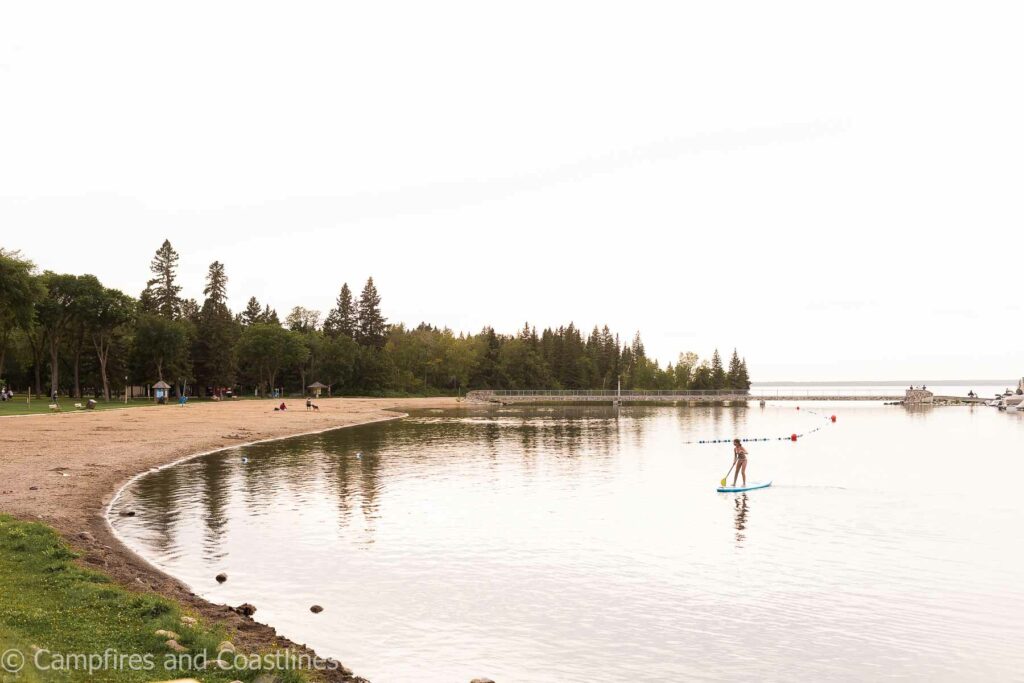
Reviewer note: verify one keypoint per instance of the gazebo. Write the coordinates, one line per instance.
(316, 388)
(160, 391)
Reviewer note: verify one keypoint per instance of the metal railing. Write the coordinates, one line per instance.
(682, 394)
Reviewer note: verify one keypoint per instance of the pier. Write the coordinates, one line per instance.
(613, 396)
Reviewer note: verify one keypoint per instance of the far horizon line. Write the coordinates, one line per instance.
(884, 382)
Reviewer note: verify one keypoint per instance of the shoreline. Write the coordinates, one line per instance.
(69, 475)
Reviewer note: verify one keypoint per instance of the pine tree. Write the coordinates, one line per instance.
(732, 378)
(371, 327)
(162, 290)
(718, 377)
(216, 284)
(189, 310)
(253, 313)
(744, 376)
(638, 347)
(341, 321)
(216, 333)
(269, 316)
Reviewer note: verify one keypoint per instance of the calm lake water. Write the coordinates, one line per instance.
(589, 544)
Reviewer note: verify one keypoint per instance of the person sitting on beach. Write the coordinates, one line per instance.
(283, 406)
(739, 461)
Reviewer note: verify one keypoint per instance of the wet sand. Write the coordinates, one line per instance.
(63, 470)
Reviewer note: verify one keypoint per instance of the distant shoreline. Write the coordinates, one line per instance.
(890, 383)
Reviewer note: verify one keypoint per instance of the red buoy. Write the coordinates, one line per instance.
(833, 418)
(792, 437)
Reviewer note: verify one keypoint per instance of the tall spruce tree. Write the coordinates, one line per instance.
(161, 295)
(252, 313)
(744, 376)
(732, 377)
(216, 333)
(371, 327)
(341, 321)
(718, 377)
(216, 285)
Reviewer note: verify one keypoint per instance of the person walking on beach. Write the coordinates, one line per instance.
(739, 461)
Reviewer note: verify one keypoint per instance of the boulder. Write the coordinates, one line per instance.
(222, 577)
(226, 646)
(246, 609)
(176, 646)
(188, 621)
(170, 635)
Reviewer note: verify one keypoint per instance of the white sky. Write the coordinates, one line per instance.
(837, 190)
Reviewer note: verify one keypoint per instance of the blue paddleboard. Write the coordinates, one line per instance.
(750, 487)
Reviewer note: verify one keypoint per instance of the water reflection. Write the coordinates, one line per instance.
(598, 538)
(742, 507)
(351, 467)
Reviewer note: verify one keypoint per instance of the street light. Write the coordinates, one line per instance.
(126, 389)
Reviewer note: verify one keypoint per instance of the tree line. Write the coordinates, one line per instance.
(72, 335)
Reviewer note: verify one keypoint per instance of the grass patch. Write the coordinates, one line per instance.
(19, 405)
(48, 602)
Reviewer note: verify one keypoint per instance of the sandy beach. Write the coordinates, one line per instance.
(63, 469)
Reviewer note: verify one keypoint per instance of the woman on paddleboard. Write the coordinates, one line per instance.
(739, 461)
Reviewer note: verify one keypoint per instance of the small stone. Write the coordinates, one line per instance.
(176, 646)
(127, 513)
(481, 680)
(33, 488)
(265, 678)
(222, 577)
(188, 621)
(86, 536)
(246, 609)
(316, 609)
(169, 635)
(226, 646)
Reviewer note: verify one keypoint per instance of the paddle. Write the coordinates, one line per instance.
(729, 472)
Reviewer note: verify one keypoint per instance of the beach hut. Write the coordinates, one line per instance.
(161, 391)
(316, 388)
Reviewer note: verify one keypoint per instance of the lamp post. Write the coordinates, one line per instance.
(126, 389)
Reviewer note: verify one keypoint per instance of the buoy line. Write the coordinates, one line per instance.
(792, 437)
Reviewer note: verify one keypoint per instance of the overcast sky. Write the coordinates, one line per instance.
(836, 190)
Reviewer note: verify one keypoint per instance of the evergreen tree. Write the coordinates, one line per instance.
(216, 285)
(190, 310)
(732, 378)
(743, 382)
(718, 377)
(162, 297)
(638, 347)
(253, 312)
(342, 319)
(269, 316)
(371, 328)
(217, 332)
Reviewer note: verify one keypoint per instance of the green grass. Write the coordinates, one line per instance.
(47, 601)
(41, 404)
